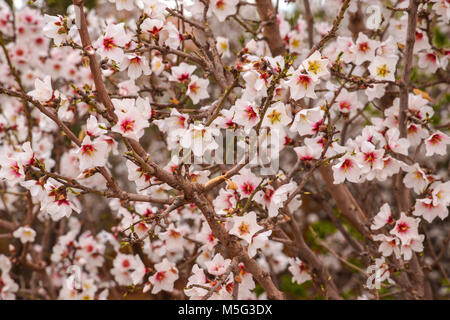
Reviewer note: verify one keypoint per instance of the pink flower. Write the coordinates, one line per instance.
(245, 227)
(218, 265)
(109, 45)
(406, 228)
(223, 8)
(131, 123)
(347, 168)
(437, 144)
(299, 271)
(92, 153)
(383, 217)
(165, 276)
(247, 182)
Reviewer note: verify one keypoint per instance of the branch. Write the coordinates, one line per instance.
(268, 16)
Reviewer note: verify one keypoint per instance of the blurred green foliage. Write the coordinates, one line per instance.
(293, 289)
(440, 39)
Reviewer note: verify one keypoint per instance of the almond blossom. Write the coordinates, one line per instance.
(25, 234)
(245, 227)
(164, 277)
(92, 153)
(222, 149)
(111, 43)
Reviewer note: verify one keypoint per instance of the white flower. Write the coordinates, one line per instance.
(307, 121)
(258, 242)
(414, 244)
(437, 144)
(255, 85)
(429, 61)
(173, 238)
(182, 72)
(92, 153)
(364, 49)
(301, 85)
(415, 178)
(246, 114)
(383, 68)
(198, 89)
(223, 8)
(279, 196)
(429, 209)
(299, 271)
(43, 91)
(218, 265)
(388, 245)
(131, 123)
(276, 116)
(199, 139)
(395, 143)
(223, 47)
(157, 65)
(169, 36)
(441, 192)
(383, 217)
(246, 182)
(165, 276)
(108, 45)
(406, 228)
(25, 234)
(152, 26)
(315, 66)
(128, 269)
(348, 168)
(245, 227)
(136, 65)
(57, 28)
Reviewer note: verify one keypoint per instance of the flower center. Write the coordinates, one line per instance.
(220, 4)
(402, 227)
(127, 125)
(364, 47)
(435, 139)
(108, 43)
(314, 66)
(126, 264)
(160, 276)
(251, 114)
(88, 149)
(348, 164)
(275, 116)
(244, 228)
(247, 188)
(304, 80)
(383, 71)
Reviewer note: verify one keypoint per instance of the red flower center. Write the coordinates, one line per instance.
(251, 114)
(127, 125)
(108, 43)
(87, 149)
(247, 188)
(364, 46)
(435, 139)
(160, 276)
(348, 164)
(304, 80)
(126, 264)
(402, 227)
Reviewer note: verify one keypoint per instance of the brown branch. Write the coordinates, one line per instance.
(271, 32)
(310, 22)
